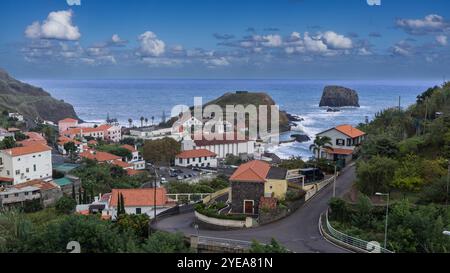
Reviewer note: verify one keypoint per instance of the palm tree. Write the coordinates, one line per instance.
(146, 121)
(130, 121)
(153, 120)
(319, 143)
(142, 121)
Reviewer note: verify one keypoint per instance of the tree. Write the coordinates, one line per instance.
(292, 163)
(320, 143)
(164, 242)
(380, 145)
(142, 121)
(130, 122)
(339, 209)
(375, 174)
(153, 120)
(137, 223)
(65, 205)
(146, 121)
(161, 151)
(70, 148)
(273, 247)
(8, 143)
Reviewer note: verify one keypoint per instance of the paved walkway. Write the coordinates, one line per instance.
(299, 232)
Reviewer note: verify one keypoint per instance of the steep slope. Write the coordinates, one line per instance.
(30, 101)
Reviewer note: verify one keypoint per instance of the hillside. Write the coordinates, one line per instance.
(245, 98)
(30, 101)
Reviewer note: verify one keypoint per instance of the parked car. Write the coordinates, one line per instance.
(312, 174)
(180, 177)
(163, 180)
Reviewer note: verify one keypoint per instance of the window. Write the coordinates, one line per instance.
(34, 167)
(7, 172)
(26, 193)
(340, 142)
(138, 211)
(17, 172)
(349, 142)
(6, 196)
(27, 170)
(16, 195)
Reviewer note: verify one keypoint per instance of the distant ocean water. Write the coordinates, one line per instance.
(123, 99)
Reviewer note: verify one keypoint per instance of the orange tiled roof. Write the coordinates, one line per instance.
(338, 151)
(195, 153)
(33, 138)
(99, 156)
(253, 171)
(129, 148)
(132, 172)
(68, 120)
(13, 129)
(139, 197)
(349, 130)
(122, 164)
(92, 142)
(75, 131)
(31, 149)
(63, 140)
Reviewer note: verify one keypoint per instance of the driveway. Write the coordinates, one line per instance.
(299, 232)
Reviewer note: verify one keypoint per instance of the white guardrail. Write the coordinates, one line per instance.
(223, 242)
(370, 247)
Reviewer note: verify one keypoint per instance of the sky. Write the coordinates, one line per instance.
(215, 39)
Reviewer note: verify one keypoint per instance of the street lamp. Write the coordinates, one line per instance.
(334, 180)
(387, 214)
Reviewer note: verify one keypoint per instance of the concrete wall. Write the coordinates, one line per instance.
(225, 223)
(276, 187)
(42, 160)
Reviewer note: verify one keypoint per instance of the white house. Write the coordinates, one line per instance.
(136, 158)
(17, 116)
(4, 133)
(344, 139)
(21, 164)
(62, 140)
(221, 144)
(139, 201)
(196, 158)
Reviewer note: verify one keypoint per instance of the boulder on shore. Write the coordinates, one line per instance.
(338, 96)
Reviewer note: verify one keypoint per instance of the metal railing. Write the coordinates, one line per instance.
(364, 246)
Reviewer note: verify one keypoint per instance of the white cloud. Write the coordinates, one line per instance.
(441, 40)
(150, 45)
(272, 40)
(336, 41)
(58, 25)
(221, 61)
(430, 23)
(364, 52)
(313, 44)
(73, 2)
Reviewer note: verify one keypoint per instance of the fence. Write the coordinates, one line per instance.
(317, 187)
(355, 243)
(216, 194)
(187, 196)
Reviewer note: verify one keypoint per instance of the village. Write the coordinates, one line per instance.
(156, 171)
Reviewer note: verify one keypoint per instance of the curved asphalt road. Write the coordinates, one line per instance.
(298, 232)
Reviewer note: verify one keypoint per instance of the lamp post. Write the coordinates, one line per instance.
(387, 214)
(334, 180)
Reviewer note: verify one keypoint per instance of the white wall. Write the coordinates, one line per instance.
(42, 160)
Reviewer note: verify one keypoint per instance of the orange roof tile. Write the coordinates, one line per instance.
(31, 149)
(33, 138)
(139, 197)
(253, 171)
(349, 130)
(13, 129)
(338, 151)
(122, 164)
(195, 153)
(129, 148)
(132, 172)
(99, 156)
(68, 120)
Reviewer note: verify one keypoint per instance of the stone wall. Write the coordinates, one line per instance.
(241, 191)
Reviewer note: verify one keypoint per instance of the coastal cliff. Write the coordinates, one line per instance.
(30, 101)
(338, 96)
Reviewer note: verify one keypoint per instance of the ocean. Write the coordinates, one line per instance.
(94, 100)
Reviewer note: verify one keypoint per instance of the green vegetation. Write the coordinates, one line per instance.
(231, 159)
(203, 186)
(101, 178)
(406, 155)
(273, 247)
(115, 150)
(65, 205)
(8, 143)
(292, 163)
(49, 232)
(212, 210)
(161, 151)
(320, 143)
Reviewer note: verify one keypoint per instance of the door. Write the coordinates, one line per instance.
(248, 206)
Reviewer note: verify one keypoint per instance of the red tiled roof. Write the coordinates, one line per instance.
(6, 179)
(338, 151)
(99, 156)
(139, 197)
(33, 138)
(63, 140)
(253, 171)
(195, 153)
(122, 164)
(129, 148)
(31, 149)
(132, 172)
(13, 129)
(350, 130)
(68, 120)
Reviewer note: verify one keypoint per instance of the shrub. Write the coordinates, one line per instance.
(212, 212)
(65, 205)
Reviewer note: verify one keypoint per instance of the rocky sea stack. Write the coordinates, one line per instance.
(338, 96)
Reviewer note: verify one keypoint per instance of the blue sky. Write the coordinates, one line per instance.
(301, 39)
